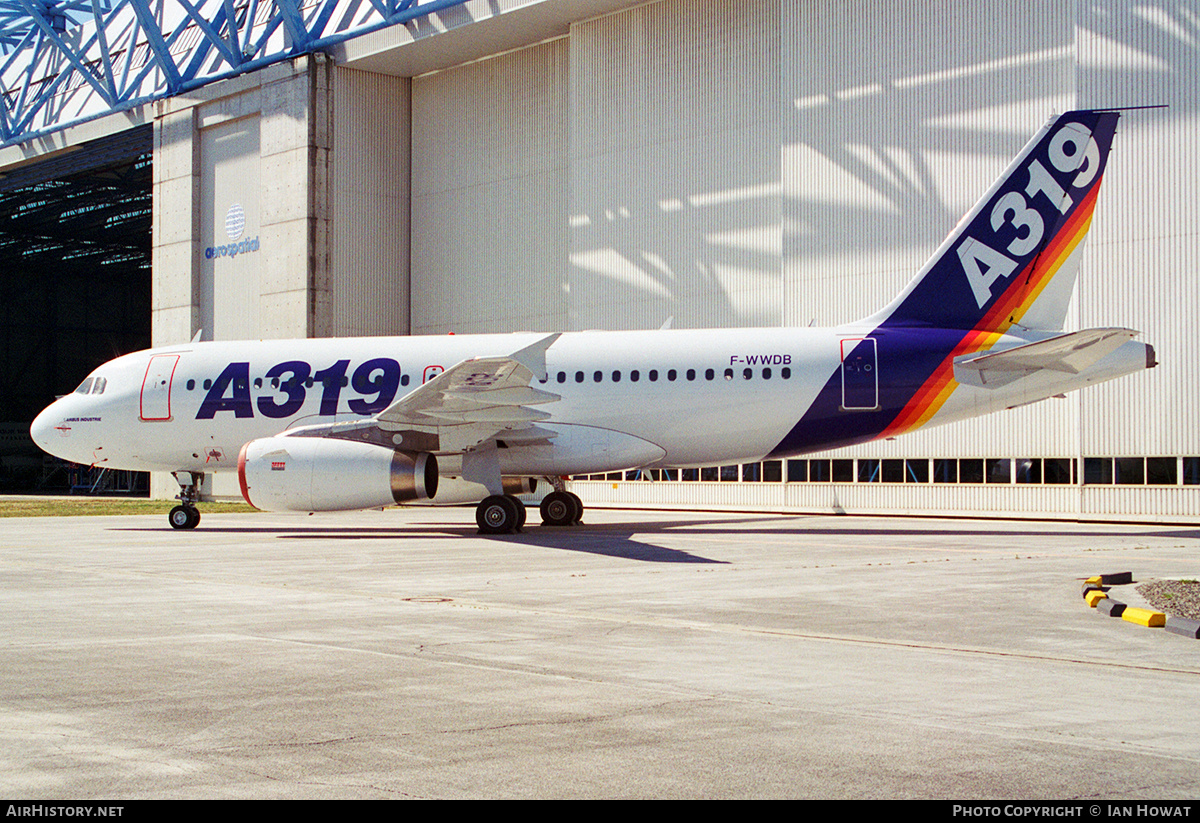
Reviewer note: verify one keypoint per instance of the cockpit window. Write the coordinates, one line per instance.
(85, 386)
(99, 385)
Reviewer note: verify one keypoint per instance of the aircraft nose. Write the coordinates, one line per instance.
(42, 430)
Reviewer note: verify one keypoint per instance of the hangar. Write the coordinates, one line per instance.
(399, 167)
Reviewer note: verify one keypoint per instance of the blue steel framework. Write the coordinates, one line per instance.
(66, 61)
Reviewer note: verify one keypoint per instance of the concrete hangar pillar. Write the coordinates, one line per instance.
(248, 188)
(245, 188)
(239, 207)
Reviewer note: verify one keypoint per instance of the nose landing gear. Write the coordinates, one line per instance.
(186, 515)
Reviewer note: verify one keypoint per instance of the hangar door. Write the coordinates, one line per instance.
(74, 290)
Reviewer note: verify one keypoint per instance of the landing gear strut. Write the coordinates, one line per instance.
(186, 515)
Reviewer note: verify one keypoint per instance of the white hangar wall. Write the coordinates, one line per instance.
(787, 162)
(775, 162)
(897, 118)
(674, 181)
(489, 143)
(610, 178)
(369, 170)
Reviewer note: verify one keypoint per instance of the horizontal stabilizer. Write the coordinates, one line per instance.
(1067, 353)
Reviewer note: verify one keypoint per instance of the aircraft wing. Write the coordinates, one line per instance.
(1068, 353)
(464, 406)
(476, 400)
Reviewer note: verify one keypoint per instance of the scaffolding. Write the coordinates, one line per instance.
(63, 62)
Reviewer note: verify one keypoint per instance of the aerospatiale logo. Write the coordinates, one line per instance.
(235, 226)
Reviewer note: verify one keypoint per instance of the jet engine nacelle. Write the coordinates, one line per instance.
(318, 474)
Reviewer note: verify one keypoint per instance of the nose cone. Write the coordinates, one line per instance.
(42, 428)
(50, 431)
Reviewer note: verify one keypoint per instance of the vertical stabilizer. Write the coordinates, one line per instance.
(1013, 259)
(1010, 262)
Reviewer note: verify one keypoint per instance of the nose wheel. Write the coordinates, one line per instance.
(186, 515)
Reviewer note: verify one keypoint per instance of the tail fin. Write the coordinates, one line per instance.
(1013, 259)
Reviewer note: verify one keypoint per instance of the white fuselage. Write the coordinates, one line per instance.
(677, 397)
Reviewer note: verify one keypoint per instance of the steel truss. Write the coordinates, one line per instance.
(66, 61)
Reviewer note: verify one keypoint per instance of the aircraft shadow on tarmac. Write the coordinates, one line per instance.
(607, 539)
(617, 539)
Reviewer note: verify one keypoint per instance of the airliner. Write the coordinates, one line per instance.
(354, 423)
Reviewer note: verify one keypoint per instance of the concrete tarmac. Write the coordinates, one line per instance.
(397, 654)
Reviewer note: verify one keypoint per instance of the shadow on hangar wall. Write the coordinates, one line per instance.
(876, 116)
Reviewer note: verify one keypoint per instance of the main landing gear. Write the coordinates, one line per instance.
(186, 515)
(561, 508)
(505, 514)
(500, 514)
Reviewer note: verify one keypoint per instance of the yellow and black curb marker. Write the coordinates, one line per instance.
(1095, 592)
